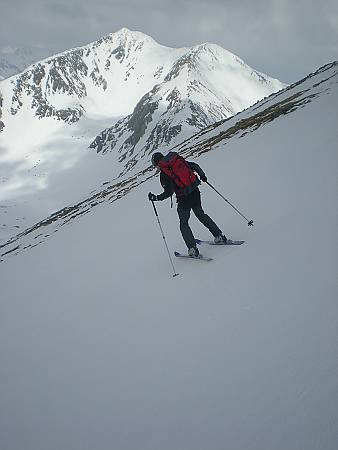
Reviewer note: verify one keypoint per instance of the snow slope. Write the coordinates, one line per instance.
(101, 348)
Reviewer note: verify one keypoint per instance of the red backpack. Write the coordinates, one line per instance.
(177, 168)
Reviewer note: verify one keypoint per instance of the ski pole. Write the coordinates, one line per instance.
(250, 222)
(165, 242)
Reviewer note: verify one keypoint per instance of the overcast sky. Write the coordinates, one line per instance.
(286, 39)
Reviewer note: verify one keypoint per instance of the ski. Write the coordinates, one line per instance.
(228, 242)
(199, 258)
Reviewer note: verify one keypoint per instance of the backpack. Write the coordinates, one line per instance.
(177, 168)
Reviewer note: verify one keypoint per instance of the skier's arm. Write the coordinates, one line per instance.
(168, 187)
(196, 168)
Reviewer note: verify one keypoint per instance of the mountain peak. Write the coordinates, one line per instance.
(216, 52)
(126, 31)
(125, 34)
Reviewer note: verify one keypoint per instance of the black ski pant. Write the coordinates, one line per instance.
(184, 207)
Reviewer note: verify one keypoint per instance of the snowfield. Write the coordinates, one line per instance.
(102, 348)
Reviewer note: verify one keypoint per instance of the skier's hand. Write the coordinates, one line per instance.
(152, 197)
(204, 178)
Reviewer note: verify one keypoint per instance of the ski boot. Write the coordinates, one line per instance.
(194, 252)
(221, 239)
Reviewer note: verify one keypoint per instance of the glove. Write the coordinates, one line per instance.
(204, 178)
(152, 197)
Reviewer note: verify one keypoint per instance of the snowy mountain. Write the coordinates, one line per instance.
(143, 96)
(108, 350)
(152, 95)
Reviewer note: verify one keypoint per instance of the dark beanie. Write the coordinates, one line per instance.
(156, 157)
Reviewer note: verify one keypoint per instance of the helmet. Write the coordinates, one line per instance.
(156, 157)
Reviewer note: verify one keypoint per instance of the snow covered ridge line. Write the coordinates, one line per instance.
(38, 233)
(246, 122)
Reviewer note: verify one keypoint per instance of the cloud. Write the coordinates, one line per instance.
(8, 50)
(283, 38)
(65, 10)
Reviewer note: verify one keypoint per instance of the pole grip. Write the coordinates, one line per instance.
(153, 203)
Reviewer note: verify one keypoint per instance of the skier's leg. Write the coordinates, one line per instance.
(184, 215)
(203, 217)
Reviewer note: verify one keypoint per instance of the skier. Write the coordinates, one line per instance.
(178, 175)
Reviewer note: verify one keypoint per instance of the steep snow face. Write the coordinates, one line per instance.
(278, 105)
(106, 347)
